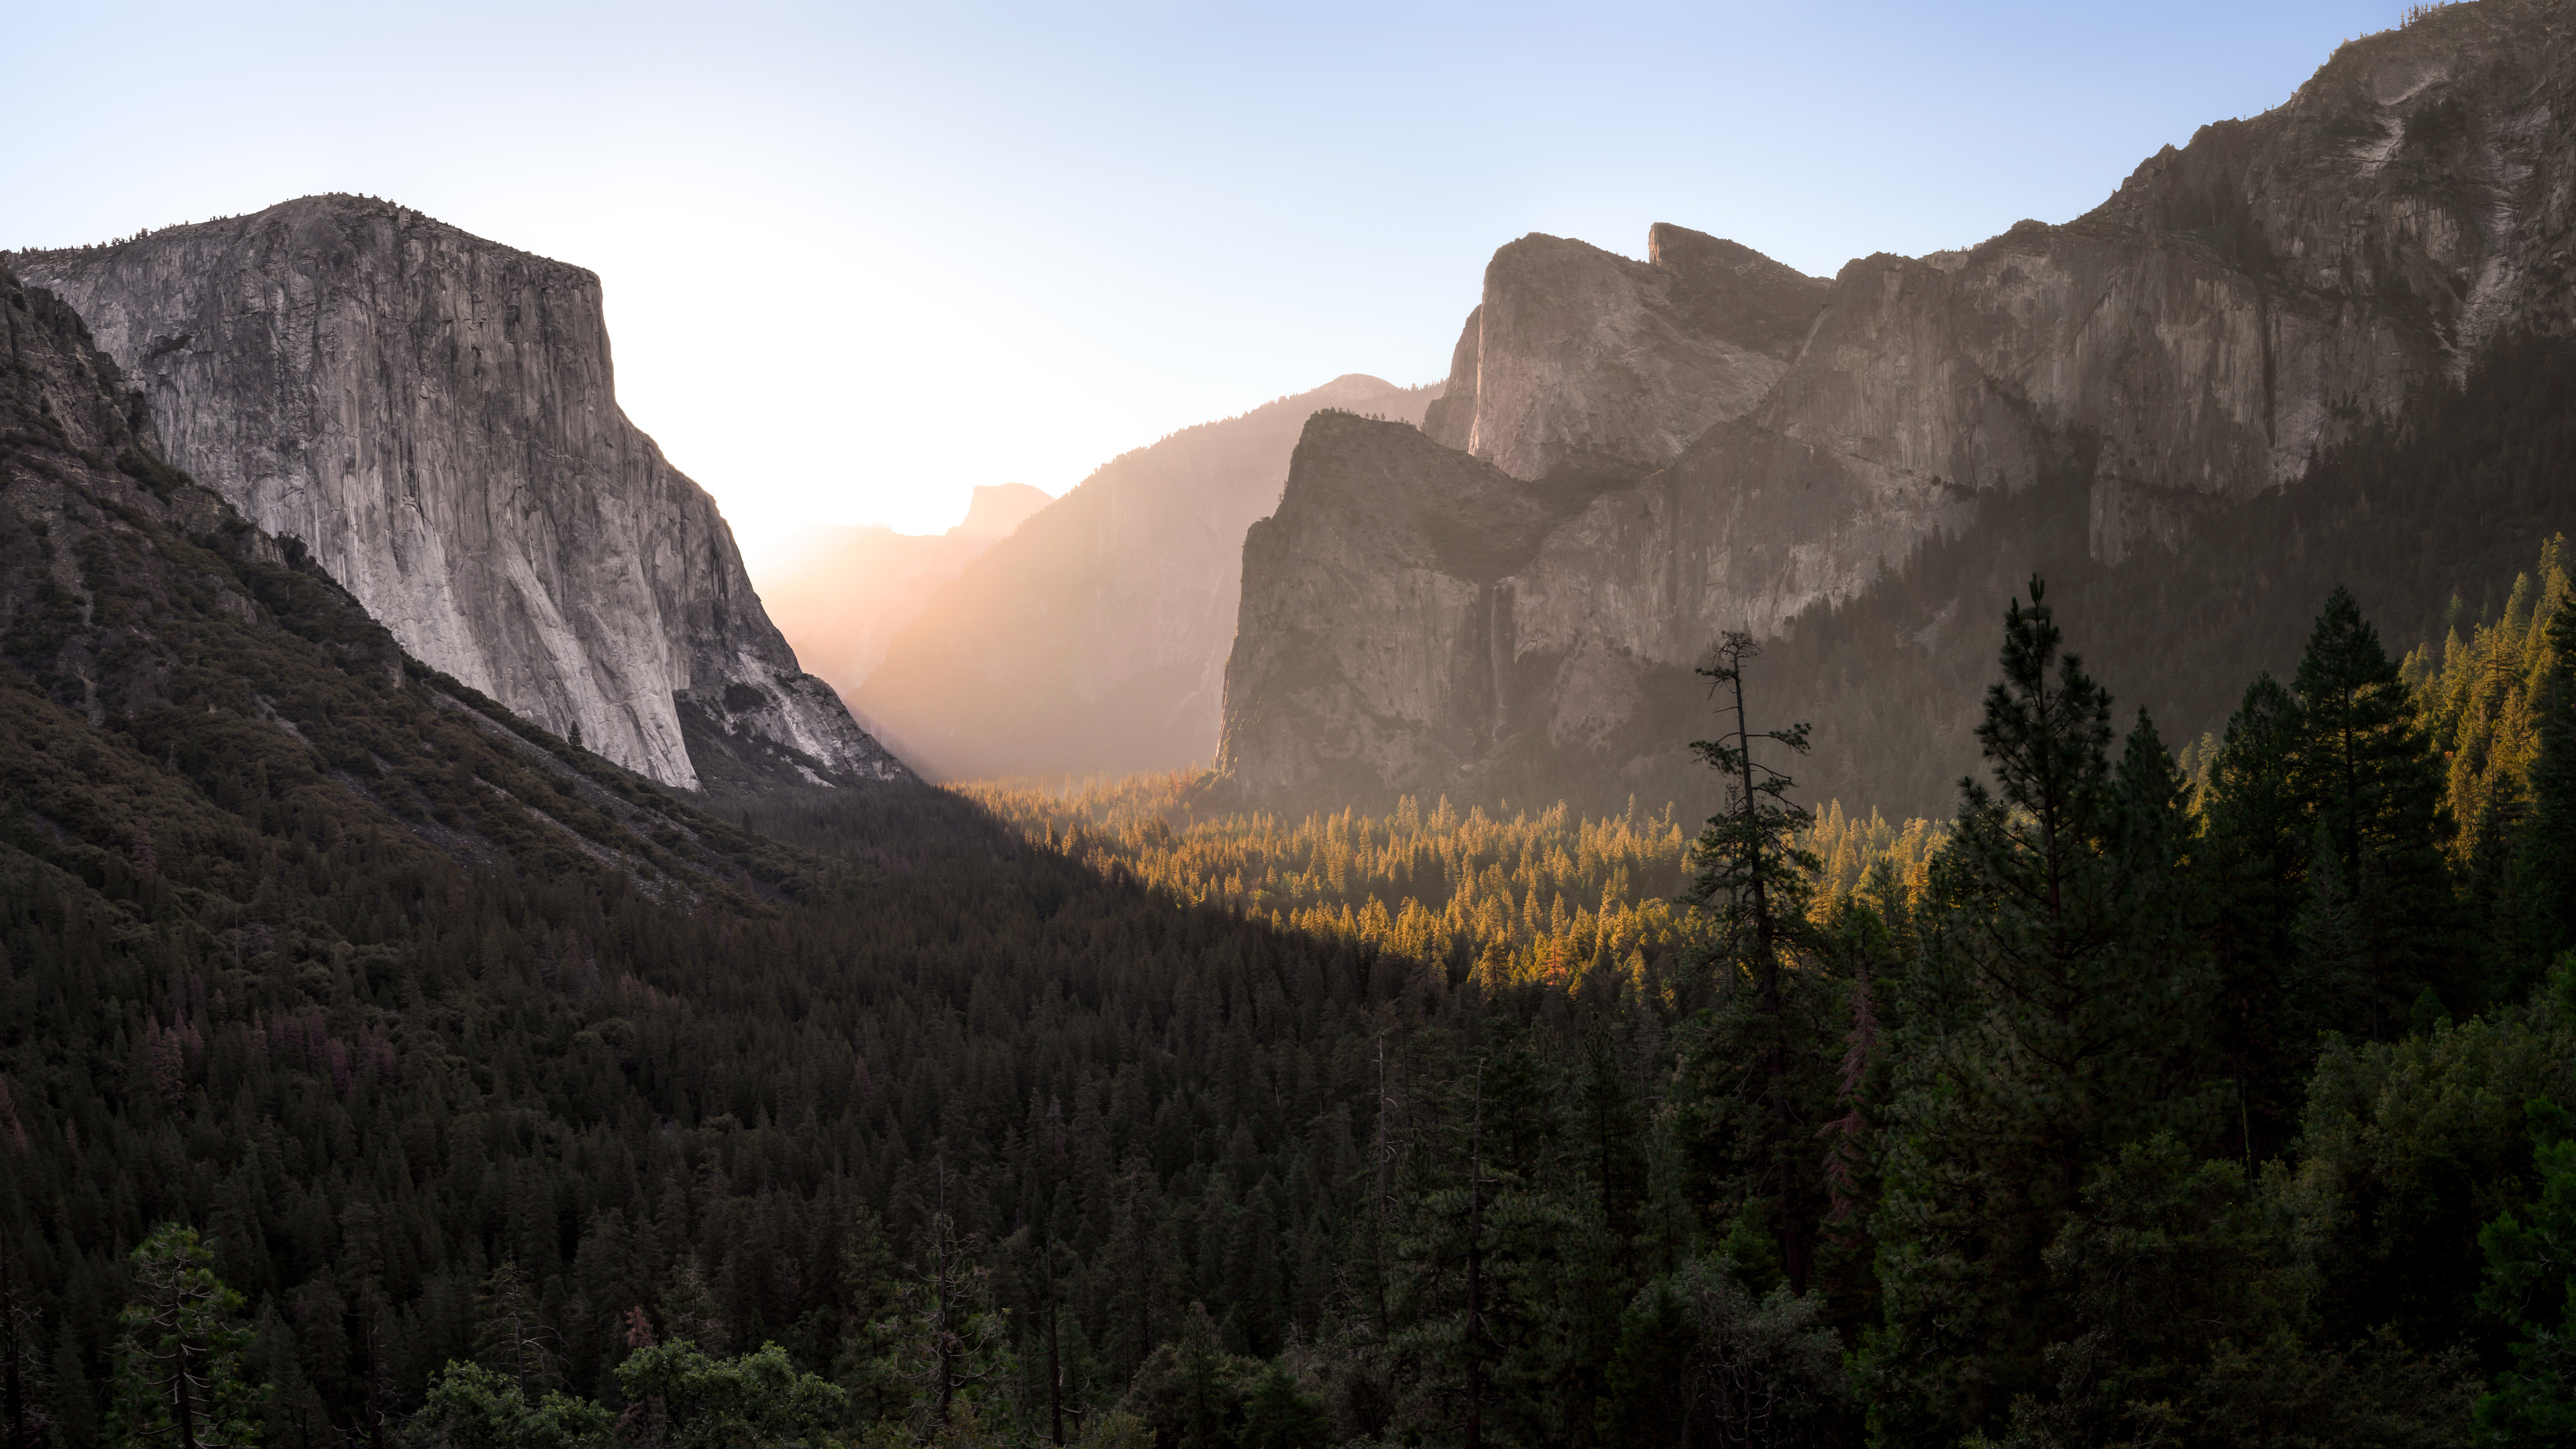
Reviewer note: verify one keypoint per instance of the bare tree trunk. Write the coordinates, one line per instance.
(182, 1402)
(1055, 1363)
(1795, 1247)
(1385, 1193)
(10, 1351)
(375, 1384)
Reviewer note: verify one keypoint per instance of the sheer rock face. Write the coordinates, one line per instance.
(1373, 602)
(1581, 361)
(434, 416)
(2234, 307)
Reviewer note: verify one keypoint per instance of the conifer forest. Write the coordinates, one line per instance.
(2086, 996)
(376, 1068)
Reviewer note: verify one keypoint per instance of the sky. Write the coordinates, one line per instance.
(861, 258)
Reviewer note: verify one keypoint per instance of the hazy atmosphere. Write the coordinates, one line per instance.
(861, 258)
(1418, 727)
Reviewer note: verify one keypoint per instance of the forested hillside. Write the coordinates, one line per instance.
(375, 1067)
(2422, 518)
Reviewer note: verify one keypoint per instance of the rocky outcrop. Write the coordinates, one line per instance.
(843, 596)
(1094, 638)
(434, 417)
(1373, 604)
(2237, 306)
(1581, 361)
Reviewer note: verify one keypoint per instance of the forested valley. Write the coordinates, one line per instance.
(377, 1068)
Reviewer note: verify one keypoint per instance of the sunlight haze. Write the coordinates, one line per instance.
(861, 259)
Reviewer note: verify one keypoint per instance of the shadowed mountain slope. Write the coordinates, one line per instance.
(160, 657)
(1094, 638)
(845, 593)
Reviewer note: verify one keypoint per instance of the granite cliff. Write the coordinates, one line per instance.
(1383, 525)
(2271, 291)
(434, 417)
(181, 691)
(1094, 638)
(1581, 361)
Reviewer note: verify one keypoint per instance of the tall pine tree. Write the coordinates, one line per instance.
(2367, 774)
(2257, 851)
(1754, 886)
(179, 1373)
(2052, 1016)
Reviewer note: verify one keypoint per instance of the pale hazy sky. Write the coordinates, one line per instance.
(860, 258)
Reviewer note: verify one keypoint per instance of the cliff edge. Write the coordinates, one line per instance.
(1733, 446)
(434, 416)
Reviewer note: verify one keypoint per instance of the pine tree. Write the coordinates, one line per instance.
(870, 1367)
(514, 1340)
(1280, 1414)
(2333, 945)
(1138, 1268)
(1705, 1360)
(1493, 1237)
(2164, 906)
(179, 1365)
(2543, 893)
(1753, 878)
(1191, 1392)
(2259, 836)
(1611, 1129)
(23, 1419)
(1755, 883)
(2367, 773)
(2050, 1019)
(689, 1310)
(956, 1351)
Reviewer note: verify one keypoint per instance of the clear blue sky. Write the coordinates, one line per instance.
(860, 258)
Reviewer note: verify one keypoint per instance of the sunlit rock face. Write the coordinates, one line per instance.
(1582, 361)
(1718, 451)
(434, 416)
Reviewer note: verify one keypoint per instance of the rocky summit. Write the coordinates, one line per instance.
(1729, 445)
(1580, 360)
(434, 417)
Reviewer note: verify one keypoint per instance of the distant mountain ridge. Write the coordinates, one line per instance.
(842, 595)
(434, 416)
(2270, 293)
(1094, 638)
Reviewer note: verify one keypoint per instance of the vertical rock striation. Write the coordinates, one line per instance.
(1730, 445)
(1372, 604)
(1579, 361)
(434, 416)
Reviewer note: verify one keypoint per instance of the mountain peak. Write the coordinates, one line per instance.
(1579, 360)
(998, 508)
